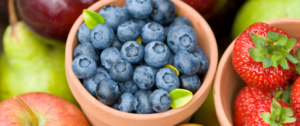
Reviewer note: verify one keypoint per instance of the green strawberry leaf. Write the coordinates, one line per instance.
(298, 53)
(279, 47)
(278, 94)
(275, 58)
(288, 111)
(92, 18)
(274, 124)
(257, 40)
(266, 117)
(275, 108)
(266, 62)
(180, 97)
(257, 54)
(290, 44)
(286, 119)
(283, 63)
(290, 57)
(286, 96)
(272, 37)
(282, 40)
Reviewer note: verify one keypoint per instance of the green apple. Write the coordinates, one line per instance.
(31, 63)
(206, 114)
(262, 10)
(40, 109)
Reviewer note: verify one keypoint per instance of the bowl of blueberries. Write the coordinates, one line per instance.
(140, 62)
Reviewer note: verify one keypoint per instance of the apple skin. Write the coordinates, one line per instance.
(207, 8)
(264, 10)
(50, 110)
(52, 18)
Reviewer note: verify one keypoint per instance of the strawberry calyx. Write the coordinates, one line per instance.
(273, 50)
(284, 95)
(279, 115)
(297, 67)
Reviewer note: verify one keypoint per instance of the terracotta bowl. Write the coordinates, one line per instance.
(227, 82)
(100, 114)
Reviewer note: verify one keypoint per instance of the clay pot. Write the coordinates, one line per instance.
(227, 82)
(100, 114)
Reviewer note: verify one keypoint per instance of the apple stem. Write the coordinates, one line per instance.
(20, 101)
(12, 13)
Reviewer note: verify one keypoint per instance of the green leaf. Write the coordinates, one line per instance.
(92, 18)
(257, 54)
(288, 111)
(275, 58)
(277, 94)
(274, 124)
(298, 53)
(266, 117)
(275, 107)
(270, 48)
(287, 119)
(266, 62)
(290, 44)
(297, 68)
(279, 47)
(272, 37)
(275, 52)
(286, 96)
(290, 57)
(283, 63)
(257, 40)
(282, 40)
(180, 97)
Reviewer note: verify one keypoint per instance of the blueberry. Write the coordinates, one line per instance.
(83, 34)
(148, 20)
(128, 31)
(198, 49)
(180, 20)
(113, 16)
(204, 62)
(91, 83)
(121, 71)
(171, 60)
(107, 91)
(157, 54)
(144, 77)
(167, 79)
(143, 106)
(160, 100)
(186, 63)
(164, 11)
(117, 43)
(110, 56)
(102, 36)
(153, 32)
(84, 66)
(127, 102)
(190, 82)
(182, 38)
(128, 86)
(88, 50)
(139, 9)
(132, 52)
(140, 23)
(115, 106)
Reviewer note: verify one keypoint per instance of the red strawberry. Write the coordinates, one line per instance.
(245, 102)
(261, 56)
(270, 112)
(295, 97)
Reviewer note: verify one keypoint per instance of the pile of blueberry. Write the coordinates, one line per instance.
(129, 76)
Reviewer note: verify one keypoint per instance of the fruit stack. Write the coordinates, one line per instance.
(136, 57)
(267, 59)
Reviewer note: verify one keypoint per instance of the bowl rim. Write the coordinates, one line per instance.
(206, 85)
(223, 120)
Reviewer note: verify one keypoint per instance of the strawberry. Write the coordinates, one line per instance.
(295, 97)
(270, 112)
(261, 56)
(245, 102)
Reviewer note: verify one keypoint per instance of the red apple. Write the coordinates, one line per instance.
(52, 18)
(33, 109)
(207, 8)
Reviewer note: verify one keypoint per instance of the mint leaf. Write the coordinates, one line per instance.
(272, 37)
(92, 18)
(257, 40)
